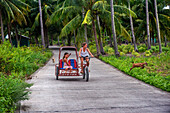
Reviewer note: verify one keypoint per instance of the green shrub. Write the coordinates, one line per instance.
(12, 90)
(125, 49)
(131, 49)
(142, 45)
(111, 51)
(93, 49)
(106, 48)
(165, 49)
(26, 59)
(15, 65)
(120, 47)
(122, 54)
(135, 53)
(142, 49)
(153, 48)
(148, 53)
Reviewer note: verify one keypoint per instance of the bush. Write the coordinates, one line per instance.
(135, 53)
(153, 48)
(122, 54)
(12, 91)
(25, 59)
(15, 65)
(120, 47)
(111, 51)
(106, 48)
(93, 49)
(131, 49)
(142, 45)
(165, 49)
(148, 53)
(142, 49)
(125, 49)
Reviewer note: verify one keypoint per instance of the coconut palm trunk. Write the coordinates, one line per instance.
(58, 40)
(48, 42)
(157, 26)
(165, 41)
(113, 29)
(95, 35)
(2, 29)
(132, 29)
(16, 34)
(52, 36)
(36, 40)
(41, 22)
(85, 28)
(110, 40)
(63, 41)
(85, 33)
(9, 33)
(147, 24)
(75, 38)
(100, 36)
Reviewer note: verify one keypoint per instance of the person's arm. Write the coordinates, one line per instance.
(80, 52)
(66, 62)
(90, 52)
(69, 54)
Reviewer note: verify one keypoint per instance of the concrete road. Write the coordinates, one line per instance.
(108, 91)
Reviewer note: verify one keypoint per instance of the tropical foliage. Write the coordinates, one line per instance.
(16, 65)
(157, 71)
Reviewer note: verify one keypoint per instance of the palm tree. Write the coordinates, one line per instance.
(92, 9)
(157, 25)
(113, 29)
(14, 9)
(75, 22)
(100, 36)
(147, 21)
(95, 36)
(140, 22)
(85, 27)
(2, 31)
(41, 22)
(132, 29)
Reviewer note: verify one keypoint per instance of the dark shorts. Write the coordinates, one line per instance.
(84, 58)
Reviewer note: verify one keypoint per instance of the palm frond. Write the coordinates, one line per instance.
(36, 22)
(99, 5)
(56, 16)
(71, 26)
(9, 10)
(87, 18)
(124, 10)
(19, 17)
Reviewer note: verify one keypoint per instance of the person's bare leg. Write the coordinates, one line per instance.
(87, 60)
(66, 70)
(70, 70)
(81, 65)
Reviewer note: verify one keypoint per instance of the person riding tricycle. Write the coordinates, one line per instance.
(84, 55)
(66, 64)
